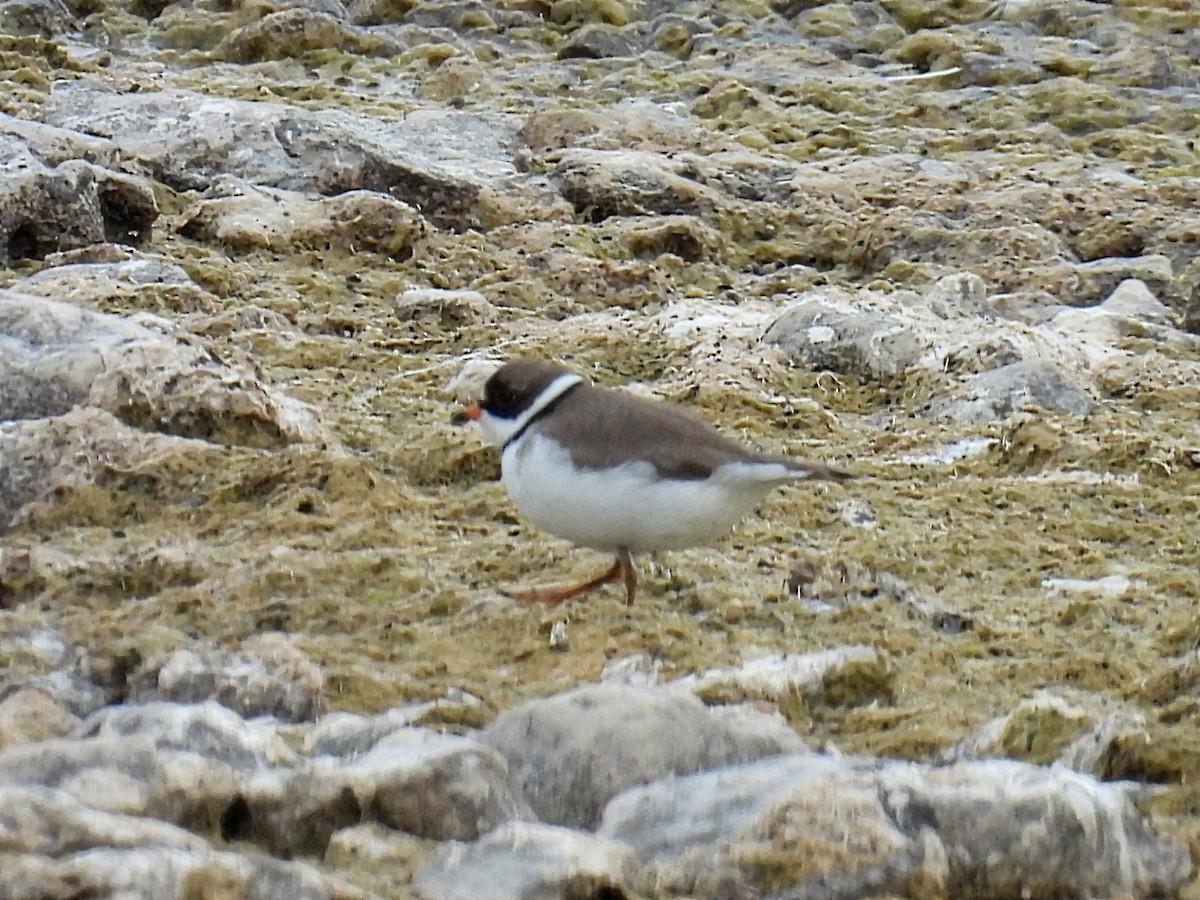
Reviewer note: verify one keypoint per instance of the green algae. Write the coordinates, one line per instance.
(28, 66)
(916, 16)
(574, 13)
(385, 556)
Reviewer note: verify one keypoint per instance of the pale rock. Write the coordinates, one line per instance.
(68, 687)
(427, 784)
(44, 210)
(957, 296)
(1009, 389)
(604, 183)
(1095, 751)
(466, 385)
(207, 729)
(1134, 300)
(32, 714)
(438, 785)
(1131, 310)
(54, 356)
(54, 145)
(88, 283)
(244, 217)
(53, 353)
(46, 456)
(269, 676)
(43, 18)
(1107, 586)
(167, 873)
(350, 734)
(1031, 307)
(1074, 730)
(1098, 278)
(527, 861)
(127, 775)
(824, 333)
(294, 32)
(571, 753)
(1092, 324)
(447, 308)
(373, 843)
(844, 676)
(638, 670)
(42, 645)
(994, 828)
(37, 819)
(135, 272)
(456, 167)
(665, 818)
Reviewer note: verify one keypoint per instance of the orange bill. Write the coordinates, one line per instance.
(466, 414)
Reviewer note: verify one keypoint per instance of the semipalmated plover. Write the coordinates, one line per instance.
(614, 472)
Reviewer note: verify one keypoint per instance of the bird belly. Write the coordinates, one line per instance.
(627, 506)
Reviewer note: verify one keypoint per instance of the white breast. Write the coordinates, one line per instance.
(629, 506)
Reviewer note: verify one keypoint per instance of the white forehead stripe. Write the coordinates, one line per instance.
(502, 431)
(552, 392)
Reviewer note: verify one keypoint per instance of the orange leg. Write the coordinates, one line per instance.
(630, 574)
(622, 568)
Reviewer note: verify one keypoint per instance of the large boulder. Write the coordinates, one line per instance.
(55, 356)
(571, 753)
(427, 784)
(49, 208)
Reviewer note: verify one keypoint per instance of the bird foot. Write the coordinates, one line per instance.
(555, 596)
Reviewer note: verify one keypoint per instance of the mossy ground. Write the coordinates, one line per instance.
(385, 556)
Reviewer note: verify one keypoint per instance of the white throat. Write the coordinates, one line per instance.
(499, 431)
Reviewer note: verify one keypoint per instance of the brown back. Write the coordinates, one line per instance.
(607, 427)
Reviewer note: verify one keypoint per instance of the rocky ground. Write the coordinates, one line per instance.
(251, 629)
